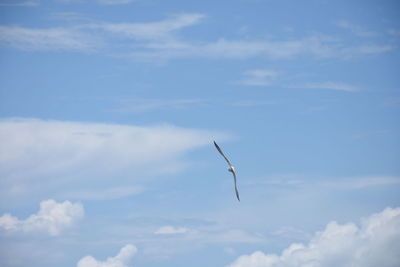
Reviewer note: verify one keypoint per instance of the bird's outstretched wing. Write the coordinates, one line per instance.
(236, 190)
(222, 153)
(231, 169)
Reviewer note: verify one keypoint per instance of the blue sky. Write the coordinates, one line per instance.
(108, 110)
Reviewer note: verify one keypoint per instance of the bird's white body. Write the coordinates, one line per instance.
(231, 169)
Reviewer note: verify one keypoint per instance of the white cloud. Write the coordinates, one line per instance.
(170, 230)
(393, 32)
(339, 86)
(375, 242)
(90, 156)
(20, 3)
(47, 39)
(123, 259)
(156, 31)
(255, 103)
(52, 217)
(356, 29)
(259, 77)
(363, 182)
(142, 105)
(102, 2)
(160, 41)
(115, 2)
(316, 46)
(106, 193)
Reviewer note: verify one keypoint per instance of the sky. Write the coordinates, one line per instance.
(109, 110)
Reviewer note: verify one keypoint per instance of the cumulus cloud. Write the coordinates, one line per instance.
(170, 230)
(374, 242)
(123, 259)
(52, 217)
(90, 156)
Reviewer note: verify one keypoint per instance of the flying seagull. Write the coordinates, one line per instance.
(230, 169)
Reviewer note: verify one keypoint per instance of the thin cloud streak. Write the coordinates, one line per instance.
(355, 29)
(146, 105)
(106, 193)
(21, 4)
(364, 182)
(329, 85)
(160, 41)
(115, 2)
(258, 77)
(50, 39)
(170, 230)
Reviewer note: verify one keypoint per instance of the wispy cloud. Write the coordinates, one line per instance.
(47, 39)
(144, 105)
(105, 193)
(355, 29)
(291, 233)
(19, 3)
(91, 37)
(258, 77)
(170, 230)
(160, 30)
(122, 259)
(394, 32)
(339, 86)
(52, 217)
(256, 103)
(363, 182)
(316, 46)
(163, 40)
(102, 2)
(115, 2)
(108, 155)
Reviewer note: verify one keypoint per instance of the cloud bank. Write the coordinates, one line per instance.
(375, 242)
(52, 218)
(122, 259)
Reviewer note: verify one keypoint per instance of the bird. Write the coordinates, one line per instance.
(230, 169)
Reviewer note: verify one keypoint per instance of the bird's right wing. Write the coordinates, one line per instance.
(236, 190)
(222, 153)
